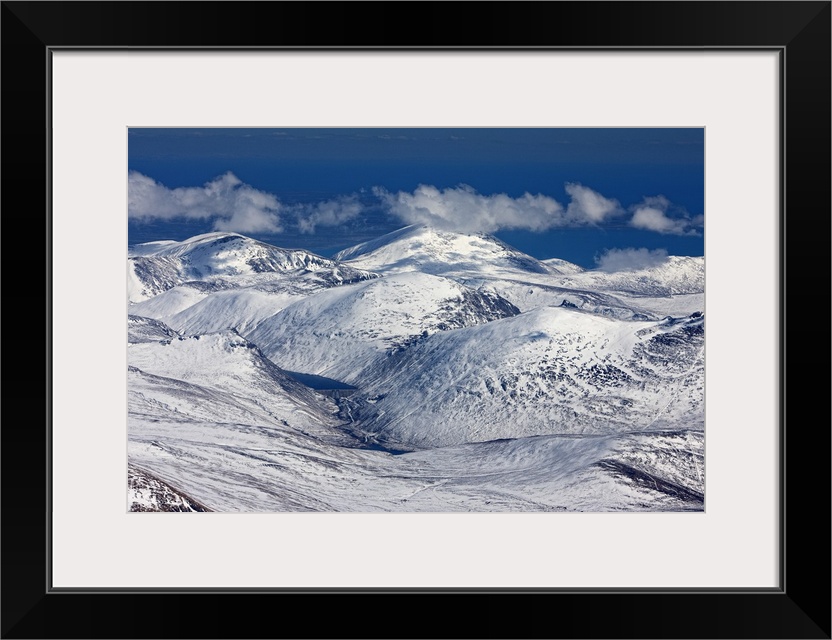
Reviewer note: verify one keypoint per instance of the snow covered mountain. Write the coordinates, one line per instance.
(548, 371)
(227, 363)
(422, 248)
(218, 258)
(486, 263)
(678, 275)
(217, 281)
(341, 332)
(422, 371)
(217, 254)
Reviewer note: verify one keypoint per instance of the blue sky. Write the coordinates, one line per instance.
(575, 194)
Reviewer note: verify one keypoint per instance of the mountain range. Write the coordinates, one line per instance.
(423, 371)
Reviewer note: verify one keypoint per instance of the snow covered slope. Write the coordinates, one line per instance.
(147, 493)
(249, 471)
(547, 371)
(141, 329)
(227, 363)
(422, 248)
(556, 265)
(676, 276)
(252, 448)
(224, 254)
(527, 293)
(158, 266)
(340, 332)
(488, 264)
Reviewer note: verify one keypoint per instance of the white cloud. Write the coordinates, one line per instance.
(630, 259)
(329, 213)
(463, 209)
(651, 215)
(233, 205)
(588, 206)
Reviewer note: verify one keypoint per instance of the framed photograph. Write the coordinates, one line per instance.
(307, 221)
(355, 334)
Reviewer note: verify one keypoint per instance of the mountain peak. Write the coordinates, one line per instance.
(436, 251)
(158, 266)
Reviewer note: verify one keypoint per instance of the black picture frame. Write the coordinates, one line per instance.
(799, 608)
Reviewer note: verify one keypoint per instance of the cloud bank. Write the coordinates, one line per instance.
(233, 205)
(630, 259)
(652, 215)
(590, 206)
(329, 213)
(464, 209)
